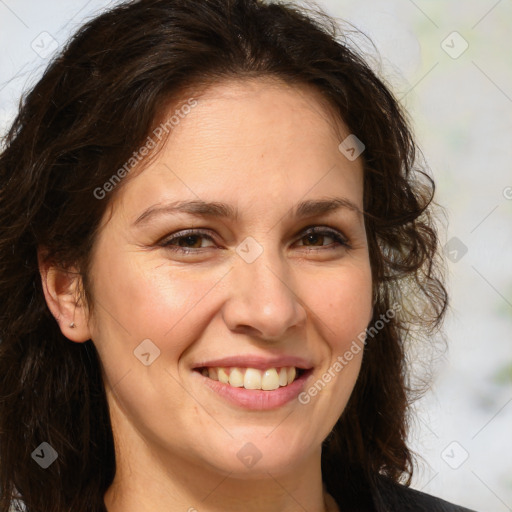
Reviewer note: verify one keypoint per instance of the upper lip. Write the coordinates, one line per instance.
(254, 361)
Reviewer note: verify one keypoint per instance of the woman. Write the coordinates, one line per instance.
(215, 249)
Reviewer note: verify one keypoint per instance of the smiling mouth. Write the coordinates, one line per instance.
(253, 378)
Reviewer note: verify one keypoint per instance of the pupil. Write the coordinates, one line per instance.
(313, 238)
(190, 240)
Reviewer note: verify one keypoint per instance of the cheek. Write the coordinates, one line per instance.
(156, 302)
(138, 302)
(341, 309)
(342, 302)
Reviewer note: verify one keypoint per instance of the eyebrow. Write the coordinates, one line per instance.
(214, 209)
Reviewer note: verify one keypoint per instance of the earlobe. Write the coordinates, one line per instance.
(62, 292)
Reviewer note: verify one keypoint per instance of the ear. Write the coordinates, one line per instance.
(62, 291)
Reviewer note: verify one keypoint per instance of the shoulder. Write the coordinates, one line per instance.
(392, 497)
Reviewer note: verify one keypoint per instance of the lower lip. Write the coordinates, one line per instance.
(257, 399)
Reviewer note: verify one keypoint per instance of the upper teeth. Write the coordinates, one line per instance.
(252, 378)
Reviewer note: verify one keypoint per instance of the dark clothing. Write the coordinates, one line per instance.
(392, 497)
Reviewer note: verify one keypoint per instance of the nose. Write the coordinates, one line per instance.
(262, 300)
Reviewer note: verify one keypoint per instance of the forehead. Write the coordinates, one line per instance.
(245, 137)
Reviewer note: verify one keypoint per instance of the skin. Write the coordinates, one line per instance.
(262, 147)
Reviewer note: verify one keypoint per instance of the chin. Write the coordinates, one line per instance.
(256, 458)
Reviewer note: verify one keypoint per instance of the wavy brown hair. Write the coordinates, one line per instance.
(95, 104)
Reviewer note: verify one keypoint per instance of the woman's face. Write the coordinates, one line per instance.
(269, 278)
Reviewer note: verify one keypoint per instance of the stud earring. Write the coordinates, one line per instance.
(72, 325)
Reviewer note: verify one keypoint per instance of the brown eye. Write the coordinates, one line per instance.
(187, 240)
(322, 237)
(315, 239)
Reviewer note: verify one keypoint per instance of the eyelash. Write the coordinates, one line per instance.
(317, 230)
